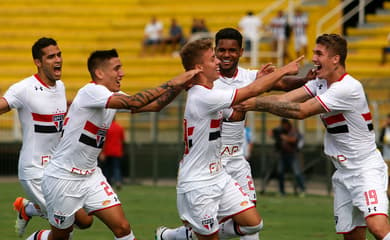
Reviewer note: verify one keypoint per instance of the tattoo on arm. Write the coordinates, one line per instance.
(283, 109)
(166, 98)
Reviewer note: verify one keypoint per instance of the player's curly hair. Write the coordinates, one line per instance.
(192, 52)
(228, 33)
(336, 44)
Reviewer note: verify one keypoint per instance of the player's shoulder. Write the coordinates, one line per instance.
(349, 82)
(28, 81)
(246, 74)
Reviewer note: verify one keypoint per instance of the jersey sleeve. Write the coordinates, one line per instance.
(227, 112)
(339, 97)
(95, 96)
(311, 87)
(15, 96)
(219, 99)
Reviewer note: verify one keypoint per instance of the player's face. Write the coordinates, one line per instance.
(228, 52)
(210, 65)
(112, 74)
(325, 62)
(50, 65)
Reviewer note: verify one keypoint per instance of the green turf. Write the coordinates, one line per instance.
(148, 207)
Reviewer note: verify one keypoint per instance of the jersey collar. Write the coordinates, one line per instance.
(40, 80)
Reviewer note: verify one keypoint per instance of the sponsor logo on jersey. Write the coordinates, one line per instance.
(244, 203)
(106, 202)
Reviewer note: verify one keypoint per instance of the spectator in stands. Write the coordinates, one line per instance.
(299, 27)
(384, 140)
(199, 29)
(286, 138)
(112, 154)
(249, 26)
(385, 51)
(152, 36)
(41, 104)
(280, 34)
(176, 37)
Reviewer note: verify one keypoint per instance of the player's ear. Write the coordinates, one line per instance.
(37, 62)
(336, 59)
(199, 66)
(99, 73)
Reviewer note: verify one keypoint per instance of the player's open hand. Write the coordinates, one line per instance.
(186, 78)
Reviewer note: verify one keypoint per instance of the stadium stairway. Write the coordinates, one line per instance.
(364, 57)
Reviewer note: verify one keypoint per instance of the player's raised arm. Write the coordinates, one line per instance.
(266, 82)
(296, 104)
(288, 83)
(155, 99)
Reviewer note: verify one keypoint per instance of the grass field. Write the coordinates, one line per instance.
(148, 207)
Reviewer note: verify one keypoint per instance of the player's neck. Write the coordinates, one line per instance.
(336, 75)
(228, 73)
(45, 80)
(204, 81)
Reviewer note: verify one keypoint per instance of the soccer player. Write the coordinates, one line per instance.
(360, 180)
(228, 50)
(207, 197)
(72, 180)
(41, 104)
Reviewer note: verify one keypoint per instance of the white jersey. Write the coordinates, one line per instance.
(41, 111)
(349, 138)
(201, 165)
(233, 132)
(87, 123)
(153, 30)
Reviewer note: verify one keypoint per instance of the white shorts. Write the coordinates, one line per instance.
(33, 190)
(204, 208)
(300, 42)
(358, 195)
(240, 170)
(64, 197)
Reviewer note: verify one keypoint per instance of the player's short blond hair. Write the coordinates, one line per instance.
(191, 53)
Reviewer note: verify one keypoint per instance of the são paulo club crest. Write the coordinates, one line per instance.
(59, 219)
(208, 222)
(100, 136)
(58, 121)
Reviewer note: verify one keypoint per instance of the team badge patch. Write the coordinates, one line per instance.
(58, 121)
(59, 219)
(100, 136)
(208, 222)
